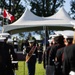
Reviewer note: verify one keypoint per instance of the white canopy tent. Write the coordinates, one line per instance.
(65, 33)
(29, 21)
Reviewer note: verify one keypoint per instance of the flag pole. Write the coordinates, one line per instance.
(3, 23)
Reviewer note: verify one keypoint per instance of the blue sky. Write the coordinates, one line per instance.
(67, 5)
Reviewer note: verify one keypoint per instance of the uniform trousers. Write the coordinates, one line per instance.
(31, 68)
(6, 70)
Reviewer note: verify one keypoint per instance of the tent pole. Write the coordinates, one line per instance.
(44, 44)
(45, 38)
(3, 26)
(3, 23)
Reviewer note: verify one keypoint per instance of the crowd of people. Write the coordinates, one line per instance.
(59, 54)
(58, 57)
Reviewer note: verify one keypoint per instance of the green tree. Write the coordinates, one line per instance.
(14, 7)
(72, 9)
(45, 7)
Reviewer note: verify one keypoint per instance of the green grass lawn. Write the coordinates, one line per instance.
(23, 70)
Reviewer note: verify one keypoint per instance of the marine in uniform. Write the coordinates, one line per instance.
(69, 59)
(24, 44)
(46, 56)
(59, 43)
(47, 51)
(40, 52)
(31, 54)
(2, 67)
(59, 55)
(6, 67)
(15, 43)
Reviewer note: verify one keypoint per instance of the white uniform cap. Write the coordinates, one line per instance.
(30, 40)
(73, 23)
(4, 34)
(53, 36)
(58, 32)
(2, 39)
(66, 33)
(68, 36)
(9, 40)
(15, 39)
(50, 40)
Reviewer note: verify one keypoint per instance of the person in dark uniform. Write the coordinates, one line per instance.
(6, 63)
(24, 44)
(15, 42)
(59, 55)
(46, 52)
(9, 51)
(31, 52)
(2, 67)
(59, 43)
(40, 52)
(69, 59)
(45, 55)
(47, 65)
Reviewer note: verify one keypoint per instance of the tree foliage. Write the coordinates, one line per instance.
(14, 7)
(45, 7)
(72, 9)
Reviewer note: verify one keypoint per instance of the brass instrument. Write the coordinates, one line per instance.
(28, 56)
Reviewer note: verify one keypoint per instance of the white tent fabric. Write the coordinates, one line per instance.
(28, 21)
(65, 33)
(73, 23)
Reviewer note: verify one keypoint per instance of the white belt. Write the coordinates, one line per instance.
(39, 51)
(15, 62)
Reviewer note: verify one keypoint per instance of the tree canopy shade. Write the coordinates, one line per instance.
(30, 22)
